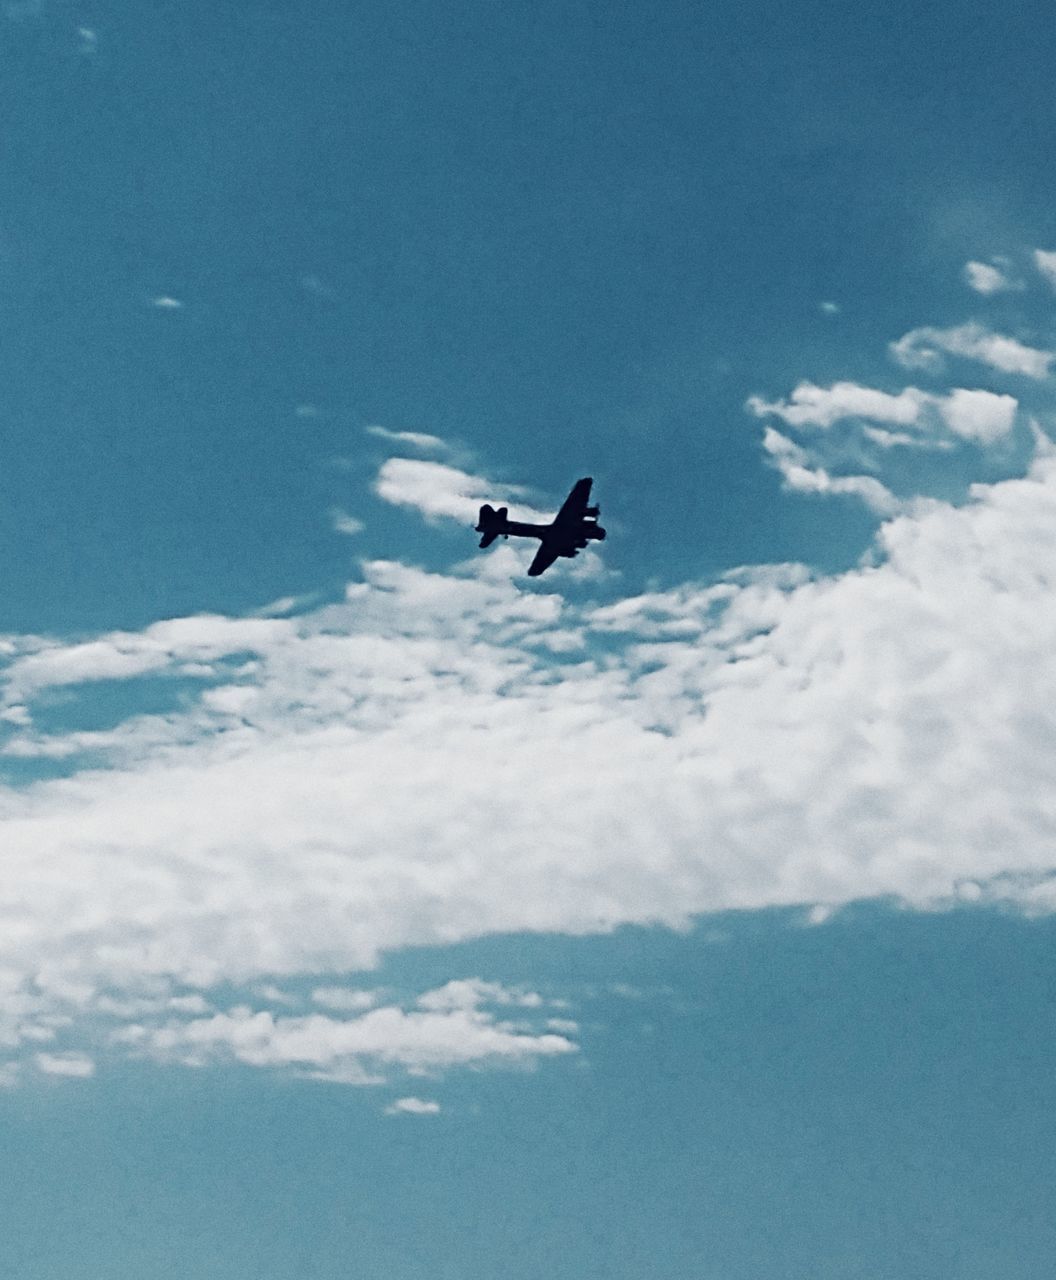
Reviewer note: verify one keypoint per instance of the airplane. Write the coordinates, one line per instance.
(567, 534)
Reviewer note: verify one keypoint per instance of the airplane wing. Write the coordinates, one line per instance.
(544, 558)
(575, 504)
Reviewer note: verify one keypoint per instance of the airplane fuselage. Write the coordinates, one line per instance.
(585, 529)
(574, 526)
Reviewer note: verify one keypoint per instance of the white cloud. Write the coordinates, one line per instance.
(813, 406)
(344, 999)
(1045, 261)
(435, 490)
(413, 1107)
(357, 1048)
(986, 279)
(774, 738)
(342, 522)
(923, 349)
(415, 439)
(803, 476)
(471, 993)
(982, 416)
(165, 302)
(122, 655)
(830, 308)
(979, 415)
(75, 1065)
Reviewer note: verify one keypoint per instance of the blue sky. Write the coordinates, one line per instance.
(371, 909)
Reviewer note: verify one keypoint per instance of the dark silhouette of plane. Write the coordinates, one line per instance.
(567, 534)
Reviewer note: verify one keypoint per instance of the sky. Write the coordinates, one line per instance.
(370, 909)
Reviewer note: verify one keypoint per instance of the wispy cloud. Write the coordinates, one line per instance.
(165, 302)
(979, 415)
(317, 286)
(924, 348)
(413, 1107)
(438, 490)
(342, 522)
(803, 476)
(413, 439)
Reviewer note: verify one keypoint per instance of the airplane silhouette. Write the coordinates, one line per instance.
(571, 529)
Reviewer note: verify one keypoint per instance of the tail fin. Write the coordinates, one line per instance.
(491, 523)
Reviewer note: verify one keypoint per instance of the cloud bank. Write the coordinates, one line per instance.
(446, 755)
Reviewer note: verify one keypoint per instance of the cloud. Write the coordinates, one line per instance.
(413, 1107)
(437, 490)
(344, 999)
(923, 348)
(122, 655)
(984, 417)
(356, 1049)
(342, 522)
(470, 993)
(986, 279)
(802, 476)
(981, 416)
(415, 439)
(373, 779)
(74, 1065)
(1045, 261)
(814, 406)
(316, 286)
(165, 302)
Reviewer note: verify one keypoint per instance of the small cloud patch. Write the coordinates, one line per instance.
(74, 1065)
(413, 1107)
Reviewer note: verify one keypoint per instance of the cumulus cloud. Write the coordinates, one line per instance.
(373, 778)
(986, 279)
(344, 999)
(923, 348)
(981, 416)
(354, 1049)
(1045, 261)
(814, 406)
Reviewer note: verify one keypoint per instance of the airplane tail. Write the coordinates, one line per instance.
(491, 523)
